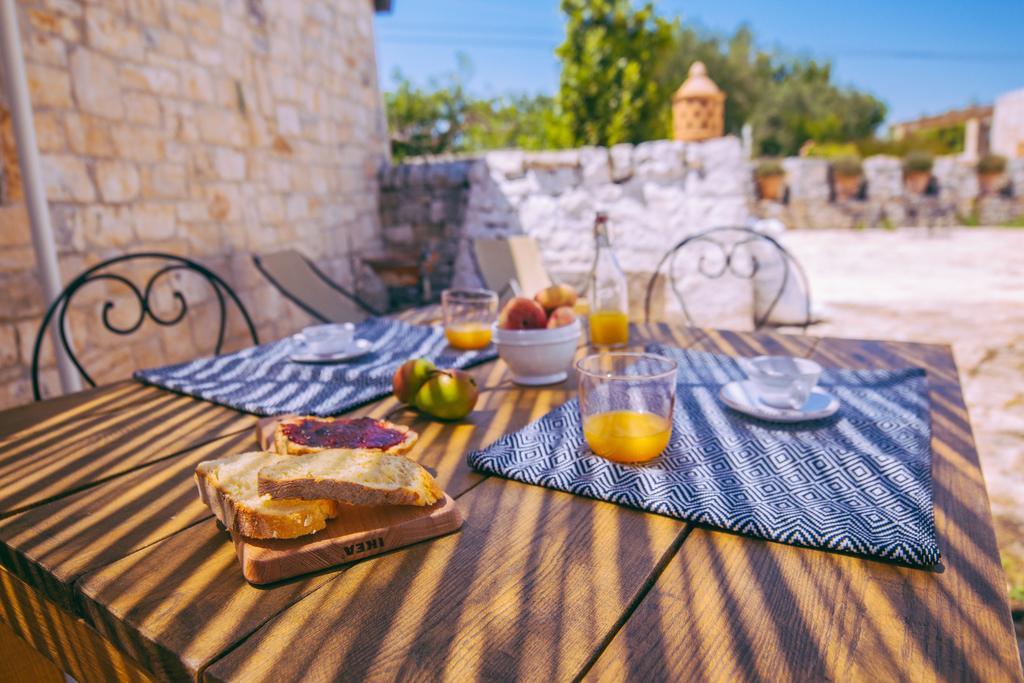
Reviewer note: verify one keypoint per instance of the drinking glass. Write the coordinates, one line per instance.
(468, 316)
(626, 403)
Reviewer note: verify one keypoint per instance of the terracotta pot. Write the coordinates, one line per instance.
(917, 181)
(990, 183)
(847, 186)
(770, 187)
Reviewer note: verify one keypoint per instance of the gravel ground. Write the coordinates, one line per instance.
(959, 286)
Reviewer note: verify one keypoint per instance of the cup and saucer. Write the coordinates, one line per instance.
(330, 343)
(780, 389)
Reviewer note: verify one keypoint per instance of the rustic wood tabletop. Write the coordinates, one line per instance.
(113, 568)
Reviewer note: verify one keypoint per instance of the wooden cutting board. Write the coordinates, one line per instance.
(356, 533)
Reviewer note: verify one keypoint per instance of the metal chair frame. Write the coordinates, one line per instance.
(142, 296)
(728, 250)
(351, 296)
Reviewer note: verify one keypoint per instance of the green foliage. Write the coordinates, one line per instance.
(428, 121)
(609, 91)
(767, 168)
(443, 119)
(847, 166)
(621, 64)
(917, 162)
(992, 163)
(831, 150)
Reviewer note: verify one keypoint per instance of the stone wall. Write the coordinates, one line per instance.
(655, 193)
(810, 201)
(206, 128)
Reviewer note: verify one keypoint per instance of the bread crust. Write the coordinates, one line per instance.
(353, 493)
(243, 519)
(285, 446)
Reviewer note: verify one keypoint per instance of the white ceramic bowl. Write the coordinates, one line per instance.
(538, 357)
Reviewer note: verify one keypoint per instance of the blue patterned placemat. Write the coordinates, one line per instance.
(858, 482)
(262, 380)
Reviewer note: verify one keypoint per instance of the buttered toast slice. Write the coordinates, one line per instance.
(302, 435)
(229, 487)
(355, 476)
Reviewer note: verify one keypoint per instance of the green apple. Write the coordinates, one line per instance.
(448, 394)
(408, 378)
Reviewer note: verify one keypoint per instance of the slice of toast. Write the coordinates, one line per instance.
(358, 477)
(229, 487)
(308, 434)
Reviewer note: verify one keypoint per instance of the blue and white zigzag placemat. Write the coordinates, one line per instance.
(262, 380)
(858, 482)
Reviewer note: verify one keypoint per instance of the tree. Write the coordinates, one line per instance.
(609, 91)
(428, 121)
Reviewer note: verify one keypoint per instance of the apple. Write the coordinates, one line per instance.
(408, 378)
(448, 394)
(521, 313)
(561, 316)
(556, 296)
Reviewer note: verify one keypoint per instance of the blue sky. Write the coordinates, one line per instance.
(920, 57)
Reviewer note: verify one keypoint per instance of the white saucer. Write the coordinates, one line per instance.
(742, 396)
(358, 348)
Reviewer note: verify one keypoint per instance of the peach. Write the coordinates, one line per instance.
(561, 316)
(521, 313)
(556, 296)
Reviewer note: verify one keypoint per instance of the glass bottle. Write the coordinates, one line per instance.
(607, 292)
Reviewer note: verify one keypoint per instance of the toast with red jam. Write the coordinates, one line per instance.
(303, 435)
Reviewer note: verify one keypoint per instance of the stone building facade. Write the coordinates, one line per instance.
(212, 129)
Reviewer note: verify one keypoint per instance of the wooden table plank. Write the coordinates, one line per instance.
(73, 406)
(57, 457)
(528, 588)
(65, 639)
(732, 607)
(51, 545)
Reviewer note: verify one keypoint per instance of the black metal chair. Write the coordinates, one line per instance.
(143, 297)
(741, 252)
(291, 273)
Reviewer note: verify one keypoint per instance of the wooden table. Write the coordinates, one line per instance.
(112, 567)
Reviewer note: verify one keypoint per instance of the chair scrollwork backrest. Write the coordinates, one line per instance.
(742, 253)
(143, 296)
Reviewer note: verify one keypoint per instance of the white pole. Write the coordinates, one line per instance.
(32, 177)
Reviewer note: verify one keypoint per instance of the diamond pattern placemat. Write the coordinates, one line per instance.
(858, 482)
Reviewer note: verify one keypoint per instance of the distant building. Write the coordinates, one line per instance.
(977, 122)
(1008, 125)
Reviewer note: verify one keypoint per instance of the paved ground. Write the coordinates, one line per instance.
(963, 287)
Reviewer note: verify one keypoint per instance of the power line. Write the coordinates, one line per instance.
(496, 41)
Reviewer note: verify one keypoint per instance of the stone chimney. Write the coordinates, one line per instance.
(698, 107)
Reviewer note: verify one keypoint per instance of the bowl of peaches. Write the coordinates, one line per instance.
(537, 338)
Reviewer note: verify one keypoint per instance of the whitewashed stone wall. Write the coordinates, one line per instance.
(655, 193)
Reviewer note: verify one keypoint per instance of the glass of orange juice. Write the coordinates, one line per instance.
(626, 403)
(468, 316)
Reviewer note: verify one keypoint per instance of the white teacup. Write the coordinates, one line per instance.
(782, 381)
(324, 340)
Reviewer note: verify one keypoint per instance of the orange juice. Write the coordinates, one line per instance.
(468, 336)
(609, 328)
(627, 435)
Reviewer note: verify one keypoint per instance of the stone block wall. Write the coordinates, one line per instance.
(211, 129)
(885, 202)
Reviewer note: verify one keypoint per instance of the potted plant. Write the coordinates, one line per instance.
(990, 172)
(847, 173)
(770, 176)
(917, 171)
